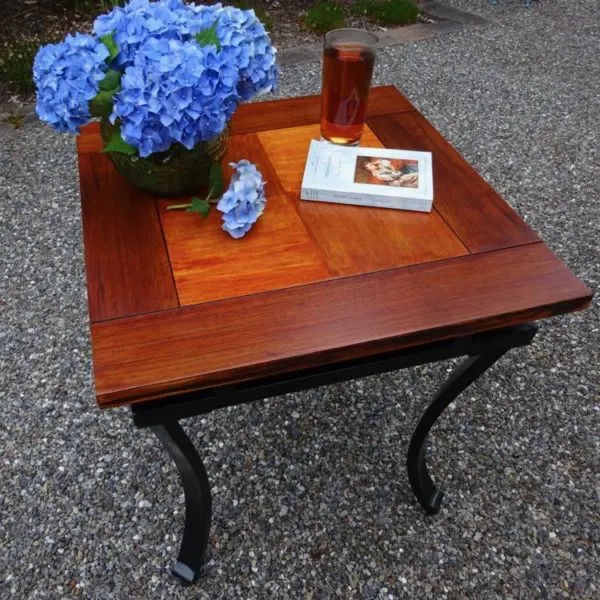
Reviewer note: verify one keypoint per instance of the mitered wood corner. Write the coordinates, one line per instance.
(476, 213)
(279, 252)
(357, 239)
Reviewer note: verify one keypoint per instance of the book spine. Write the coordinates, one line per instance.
(361, 199)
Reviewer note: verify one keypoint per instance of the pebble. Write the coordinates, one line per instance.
(517, 456)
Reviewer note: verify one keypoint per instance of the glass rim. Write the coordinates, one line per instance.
(374, 38)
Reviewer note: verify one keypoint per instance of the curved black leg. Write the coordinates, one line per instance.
(198, 507)
(423, 487)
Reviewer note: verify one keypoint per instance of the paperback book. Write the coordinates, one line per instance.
(400, 179)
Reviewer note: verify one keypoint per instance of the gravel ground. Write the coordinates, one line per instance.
(311, 498)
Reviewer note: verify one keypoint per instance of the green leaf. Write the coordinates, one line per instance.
(200, 206)
(215, 180)
(101, 105)
(111, 81)
(118, 144)
(209, 36)
(113, 48)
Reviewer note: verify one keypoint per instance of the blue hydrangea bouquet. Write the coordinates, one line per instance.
(164, 77)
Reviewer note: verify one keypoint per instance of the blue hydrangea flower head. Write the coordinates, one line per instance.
(172, 89)
(67, 77)
(201, 17)
(140, 20)
(244, 201)
(175, 92)
(245, 39)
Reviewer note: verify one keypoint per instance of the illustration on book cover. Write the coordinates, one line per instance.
(383, 171)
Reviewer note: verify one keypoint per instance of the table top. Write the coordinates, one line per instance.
(177, 305)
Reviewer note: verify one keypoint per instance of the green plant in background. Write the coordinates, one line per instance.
(388, 12)
(16, 65)
(324, 16)
(17, 56)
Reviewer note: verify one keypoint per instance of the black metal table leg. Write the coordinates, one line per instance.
(198, 508)
(428, 495)
(162, 416)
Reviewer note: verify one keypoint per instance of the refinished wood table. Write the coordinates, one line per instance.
(185, 319)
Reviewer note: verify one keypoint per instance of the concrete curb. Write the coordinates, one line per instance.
(437, 10)
(450, 21)
(393, 37)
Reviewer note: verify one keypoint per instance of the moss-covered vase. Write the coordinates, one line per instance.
(175, 172)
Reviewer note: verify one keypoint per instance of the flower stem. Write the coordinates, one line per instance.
(179, 206)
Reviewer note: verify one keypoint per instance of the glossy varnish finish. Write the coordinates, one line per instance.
(265, 334)
(208, 264)
(126, 259)
(315, 241)
(355, 239)
(480, 218)
(177, 305)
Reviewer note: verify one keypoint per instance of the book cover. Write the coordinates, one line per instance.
(400, 179)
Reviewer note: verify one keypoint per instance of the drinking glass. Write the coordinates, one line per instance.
(348, 58)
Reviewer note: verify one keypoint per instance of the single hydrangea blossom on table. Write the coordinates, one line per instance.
(244, 201)
(164, 73)
(242, 204)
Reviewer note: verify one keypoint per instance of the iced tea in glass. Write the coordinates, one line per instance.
(348, 58)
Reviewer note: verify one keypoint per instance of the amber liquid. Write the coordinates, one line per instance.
(347, 71)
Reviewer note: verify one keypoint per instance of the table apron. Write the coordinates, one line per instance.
(190, 404)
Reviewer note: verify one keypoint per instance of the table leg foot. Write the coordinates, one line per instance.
(186, 574)
(428, 495)
(198, 506)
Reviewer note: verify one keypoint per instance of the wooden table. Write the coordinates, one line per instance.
(185, 319)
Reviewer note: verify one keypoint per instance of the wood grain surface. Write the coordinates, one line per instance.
(208, 264)
(89, 140)
(161, 354)
(288, 148)
(480, 218)
(126, 261)
(357, 239)
(312, 283)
